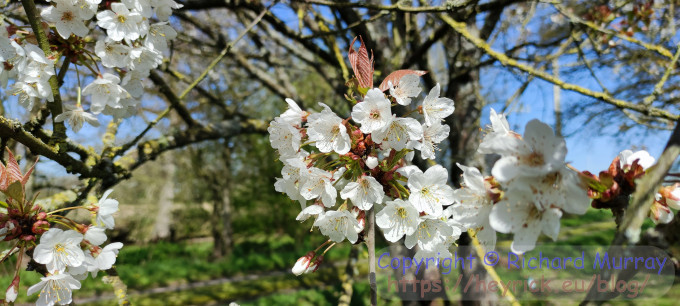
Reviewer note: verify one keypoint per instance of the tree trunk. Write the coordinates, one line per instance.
(221, 218)
(163, 221)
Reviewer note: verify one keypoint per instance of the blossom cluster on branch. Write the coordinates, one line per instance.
(64, 256)
(365, 158)
(133, 38)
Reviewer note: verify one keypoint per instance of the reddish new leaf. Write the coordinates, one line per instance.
(361, 64)
(4, 177)
(24, 180)
(13, 169)
(394, 77)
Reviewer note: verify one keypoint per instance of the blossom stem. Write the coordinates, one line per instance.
(65, 209)
(321, 246)
(328, 248)
(9, 253)
(19, 261)
(71, 226)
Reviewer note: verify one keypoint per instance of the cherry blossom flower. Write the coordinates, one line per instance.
(66, 19)
(398, 133)
(54, 289)
(291, 181)
(397, 219)
(104, 258)
(473, 206)
(365, 192)
(120, 23)
(500, 139)
(373, 113)
(409, 87)
(58, 249)
(318, 183)
(328, 132)
(159, 35)
(112, 53)
(144, 59)
(430, 232)
(95, 235)
(432, 135)
(429, 190)
(562, 189)
(143, 7)
(627, 157)
(294, 114)
(543, 154)
(163, 8)
(671, 194)
(526, 219)
(105, 210)
(435, 109)
(85, 8)
(284, 137)
(659, 212)
(309, 211)
(76, 116)
(132, 82)
(338, 225)
(105, 91)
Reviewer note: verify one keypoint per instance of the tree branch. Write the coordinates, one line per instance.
(506, 61)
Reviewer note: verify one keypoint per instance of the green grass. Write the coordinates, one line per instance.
(168, 264)
(164, 264)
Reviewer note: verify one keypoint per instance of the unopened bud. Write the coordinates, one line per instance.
(41, 215)
(12, 290)
(39, 227)
(303, 263)
(361, 218)
(371, 162)
(315, 266)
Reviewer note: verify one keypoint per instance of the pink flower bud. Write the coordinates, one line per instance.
(302, 263)
(39, 227)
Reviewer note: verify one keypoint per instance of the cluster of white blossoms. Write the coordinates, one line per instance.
(70, 255)
(136, 37)
(366, 157)
(364, 163)
(536, 182)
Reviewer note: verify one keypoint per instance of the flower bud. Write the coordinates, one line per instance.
(39, 227)
(371, 162)
(12, 290)
(302, 263)
(315, 266)
(361, 218)
(41, 215)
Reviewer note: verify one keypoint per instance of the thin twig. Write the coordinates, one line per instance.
(461, 28)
